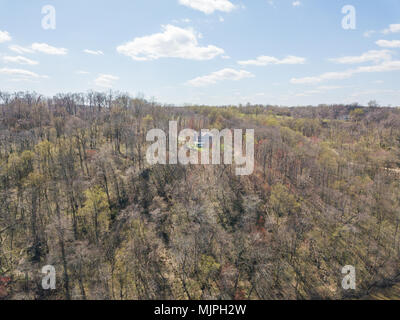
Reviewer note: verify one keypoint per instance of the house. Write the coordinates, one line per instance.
(202, 140)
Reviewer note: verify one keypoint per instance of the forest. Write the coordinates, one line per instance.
(77, 193)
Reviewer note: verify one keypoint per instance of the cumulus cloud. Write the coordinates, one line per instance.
(296, 3)
(4, 36)
(105, 80)
(94, 52)
(385, 66)
(47, 49)
(20, 60)
(373, 55)
(393, 28)
(388, 44)
(209, 6)
(266, 60)
(172, 42)
(224, 74)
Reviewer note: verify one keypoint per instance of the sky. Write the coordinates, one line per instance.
(216, 52)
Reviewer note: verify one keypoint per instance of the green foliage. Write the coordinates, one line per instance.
(95, 214)
(282, 202)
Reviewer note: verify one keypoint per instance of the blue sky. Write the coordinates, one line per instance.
(282, 52)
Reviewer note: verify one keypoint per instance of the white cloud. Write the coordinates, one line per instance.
(20, 60)
(307, 93)
(318, 90)
(47, 49)
(388, 44)
(296, 4)
(305, 80)
(4, 36)
(266, 60)
(173, 42)
(19, 49)
(183, 20)
(82, 72)
(369, 33)
(386, 66)
(94, 52)
(393, 28)
(209, 6)
(105, 80)
(373, 92)
(39, 47)
(20, 72)
(23, 79)
(373, 55)
(330, 87)
(224, 74)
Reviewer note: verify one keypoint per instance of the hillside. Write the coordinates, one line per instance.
(76, 192)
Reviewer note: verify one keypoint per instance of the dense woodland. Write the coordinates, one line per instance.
(77, 193)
